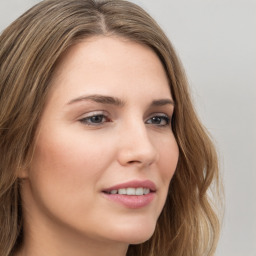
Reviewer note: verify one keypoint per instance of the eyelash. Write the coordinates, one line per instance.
(88, 120)
(160, 117)
(101, 119)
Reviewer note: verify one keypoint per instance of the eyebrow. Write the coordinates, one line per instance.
(116, 101)
(162, 102)
(99, 99)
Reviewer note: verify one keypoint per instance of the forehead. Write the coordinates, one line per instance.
(104, 64)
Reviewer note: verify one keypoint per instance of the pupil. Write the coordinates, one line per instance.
(96, 119)
(156, 120)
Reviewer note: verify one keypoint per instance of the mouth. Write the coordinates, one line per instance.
(129, 191)
(133, 194)
(135, 187)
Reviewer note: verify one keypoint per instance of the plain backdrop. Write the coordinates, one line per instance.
(216, 42)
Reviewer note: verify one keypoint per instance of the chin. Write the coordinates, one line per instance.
(141, 239)
(136, 234)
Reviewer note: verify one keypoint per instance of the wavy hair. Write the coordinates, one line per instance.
(29, 52)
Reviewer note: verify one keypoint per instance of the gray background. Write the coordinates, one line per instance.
(216, 41)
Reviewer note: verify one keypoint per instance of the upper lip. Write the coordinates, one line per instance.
(133, 184)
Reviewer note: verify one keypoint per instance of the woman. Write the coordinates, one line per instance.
(101, 150)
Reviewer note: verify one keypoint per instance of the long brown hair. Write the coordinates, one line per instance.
(29, 52)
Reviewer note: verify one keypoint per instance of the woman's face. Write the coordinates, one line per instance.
(105, 151)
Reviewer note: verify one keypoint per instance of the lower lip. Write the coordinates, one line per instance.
(133, 202)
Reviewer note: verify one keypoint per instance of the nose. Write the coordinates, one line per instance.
(135, 147)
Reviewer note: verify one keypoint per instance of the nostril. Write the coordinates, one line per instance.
(133, 162)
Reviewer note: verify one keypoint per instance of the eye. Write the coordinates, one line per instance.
(159, 120)
(95, 120)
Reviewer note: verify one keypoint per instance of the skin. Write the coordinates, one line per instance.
(77, 155)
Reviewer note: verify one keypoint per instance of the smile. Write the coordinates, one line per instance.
(133, 194)
(130, 191)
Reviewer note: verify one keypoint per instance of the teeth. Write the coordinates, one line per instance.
(146, 191)
(122, 191)
(139, 192)
(131, 191)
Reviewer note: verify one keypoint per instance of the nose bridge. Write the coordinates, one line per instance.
(136, 146)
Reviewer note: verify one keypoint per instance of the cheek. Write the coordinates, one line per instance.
(72, 155)
(168, 158)
(65, 171)
(66, 167)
